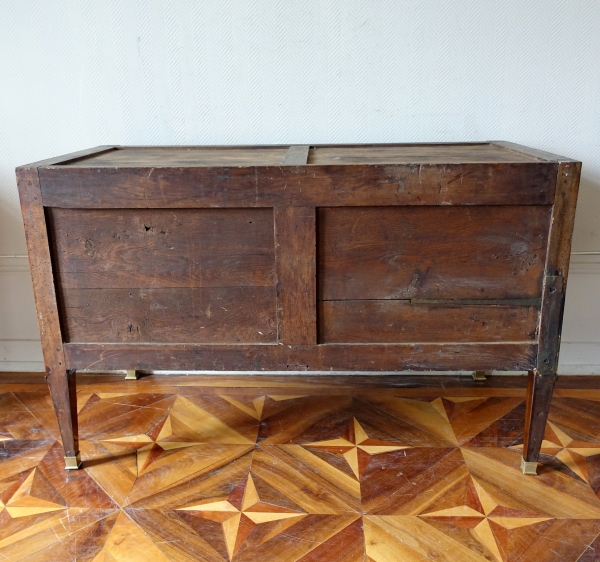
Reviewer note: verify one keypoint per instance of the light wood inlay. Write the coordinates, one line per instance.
(299, 468)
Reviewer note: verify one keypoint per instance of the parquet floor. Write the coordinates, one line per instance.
(298, 469)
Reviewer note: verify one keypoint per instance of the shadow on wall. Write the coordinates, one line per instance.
(586, 235)
(12, 234)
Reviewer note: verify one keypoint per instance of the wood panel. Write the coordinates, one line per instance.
(411, 154)
(391, 321)
(185, 156)
(295, 237)
(215, 315)
(432, 252)
(333, 357)
(157, 248)
(520, 183)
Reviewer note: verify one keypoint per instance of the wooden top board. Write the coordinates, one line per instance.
(184, 156)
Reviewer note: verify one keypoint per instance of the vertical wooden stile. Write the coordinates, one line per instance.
(296, 264)
(61, 382)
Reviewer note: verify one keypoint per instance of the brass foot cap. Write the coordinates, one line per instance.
(131, 375)
(528, 467)
(73, 463)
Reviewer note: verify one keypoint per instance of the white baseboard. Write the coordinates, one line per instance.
(20, 348)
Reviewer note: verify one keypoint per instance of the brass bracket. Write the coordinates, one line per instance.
(131, 375)
(529, 467)
(73, 463)
(480, 375)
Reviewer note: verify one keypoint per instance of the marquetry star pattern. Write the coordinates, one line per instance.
(150, 446)
(251, 475)
(573, 453)
(33, 495)
(356, 447)
(481, 514)
(240, 512)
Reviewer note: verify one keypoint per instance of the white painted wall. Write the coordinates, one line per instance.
(78, 73)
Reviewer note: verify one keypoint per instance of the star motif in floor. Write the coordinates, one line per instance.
(149, 446)
(31, 494)
(240, 512)
(569, 451)
(356, 447)
(483, 515)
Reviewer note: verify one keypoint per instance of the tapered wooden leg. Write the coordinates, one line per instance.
(539, 395)
(64, 397)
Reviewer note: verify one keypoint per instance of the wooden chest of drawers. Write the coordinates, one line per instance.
(351, 258)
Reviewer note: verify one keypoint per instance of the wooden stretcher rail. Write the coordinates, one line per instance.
(510, 356)
(520, 183)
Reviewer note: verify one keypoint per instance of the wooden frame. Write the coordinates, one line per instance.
(311, 328)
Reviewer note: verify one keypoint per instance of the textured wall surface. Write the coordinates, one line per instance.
(81, 73)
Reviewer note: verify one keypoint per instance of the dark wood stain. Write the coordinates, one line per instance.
(432, 252)
(157, 248)
(389, 321)
(330, 357)
(348, 257)
(178, 315)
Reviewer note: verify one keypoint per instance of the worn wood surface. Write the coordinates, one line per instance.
(309, 469)
(221, 257)
(563, 218)
(297, 155)
(159, 156)
(38, 250)
(159, 248)
(332, 357)
(521, 183)
(420, 154)
(432, 252)
(392, 321)
(178, 315)
(539, 396)
(295, 251)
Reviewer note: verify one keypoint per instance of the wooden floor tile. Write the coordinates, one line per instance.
(289, 469)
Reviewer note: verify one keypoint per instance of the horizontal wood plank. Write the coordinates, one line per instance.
(185, 156)
(416, 357)
(127, 248)
(393, 321)
(410, 154)
(212, 315)
(432, 252)
(521, 183)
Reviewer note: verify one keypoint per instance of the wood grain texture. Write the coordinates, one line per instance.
(563, 218)
(550, 325)
(183, 156)
(286, 469)
(178, 315)
(539, 395)
(158, 248)
(295, 253)
(521, 183)
(532, 152)
(332, 357)
(394, 321)
(419, 154)
(297, 155)
(38, 250)
(432, 252)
